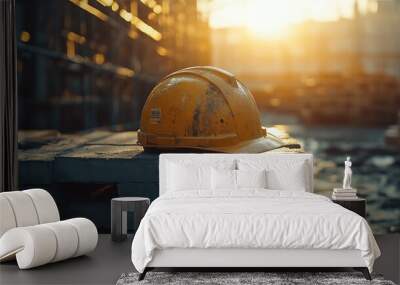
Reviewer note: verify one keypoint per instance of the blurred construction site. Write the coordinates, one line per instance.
(324, 72)
(87, 64)
(340, 72)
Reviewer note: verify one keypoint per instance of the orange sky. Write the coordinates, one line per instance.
(272, 17)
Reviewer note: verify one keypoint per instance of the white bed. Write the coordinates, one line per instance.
(282, 224)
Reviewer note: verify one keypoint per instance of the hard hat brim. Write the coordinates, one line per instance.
(262, 144)
(259, 145)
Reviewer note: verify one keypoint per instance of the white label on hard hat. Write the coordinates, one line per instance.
(155, 115)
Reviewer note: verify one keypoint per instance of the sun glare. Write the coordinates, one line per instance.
(269, 18)
(273, 18)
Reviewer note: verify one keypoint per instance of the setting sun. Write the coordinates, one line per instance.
(272, 19)
(269, 19)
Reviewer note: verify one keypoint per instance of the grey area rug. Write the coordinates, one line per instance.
(228, 278)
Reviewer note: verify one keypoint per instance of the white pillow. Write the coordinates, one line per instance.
(295, 180)
(223, 179)
(251, 178)
(188, 177)
(282, 174)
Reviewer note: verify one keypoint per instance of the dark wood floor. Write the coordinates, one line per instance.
(110, 260)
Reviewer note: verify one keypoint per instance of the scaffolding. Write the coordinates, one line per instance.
(84, 64)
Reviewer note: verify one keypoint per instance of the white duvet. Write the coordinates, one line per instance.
(250, 219)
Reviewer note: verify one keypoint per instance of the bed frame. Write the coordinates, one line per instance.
(243, 259)
(249, 258)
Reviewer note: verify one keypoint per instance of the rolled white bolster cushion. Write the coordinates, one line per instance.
(7, 218)
(87, 235)
(45, 205)
(33, 246)
(52, 242)
(23, 208)
(67, 240)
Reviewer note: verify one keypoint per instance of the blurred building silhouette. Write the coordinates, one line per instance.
(340, 72)
(91, 63)
(367, 43)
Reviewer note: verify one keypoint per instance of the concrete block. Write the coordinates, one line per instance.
(35, 172)
(67, 169)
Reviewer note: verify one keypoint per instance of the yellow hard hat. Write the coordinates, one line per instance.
(203, 108)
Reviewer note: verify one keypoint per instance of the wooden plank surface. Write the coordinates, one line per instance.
(92, 157)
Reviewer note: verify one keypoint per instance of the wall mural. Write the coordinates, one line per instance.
(326, 82)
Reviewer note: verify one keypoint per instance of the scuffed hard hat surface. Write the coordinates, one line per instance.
(187, 106)
(200, 108)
